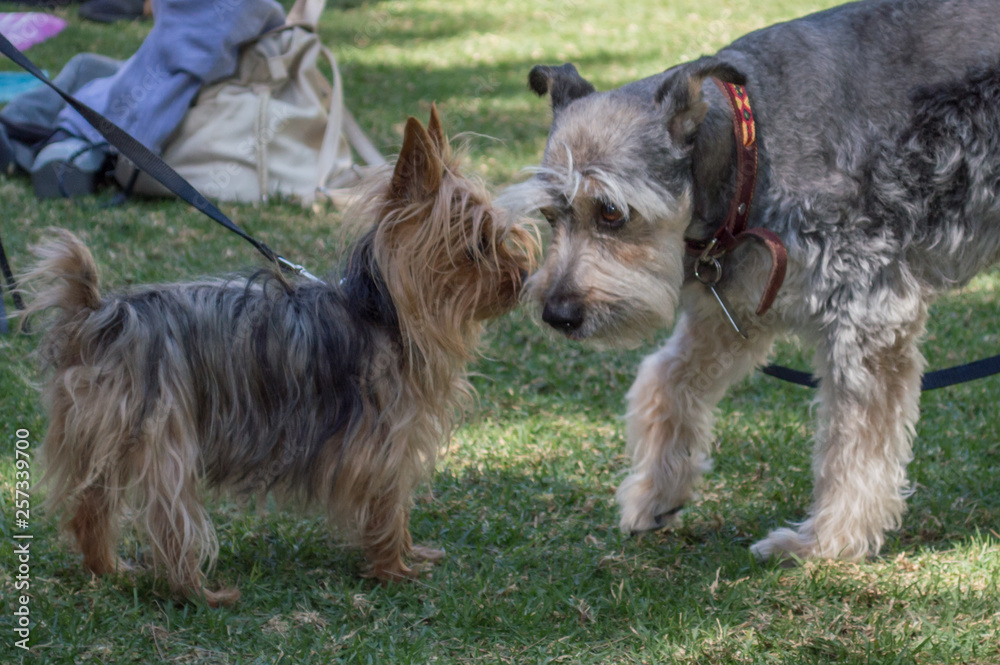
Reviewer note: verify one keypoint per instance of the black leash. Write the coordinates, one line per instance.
(8, 277)
(144, 159)
(790, 375)
(941, 378)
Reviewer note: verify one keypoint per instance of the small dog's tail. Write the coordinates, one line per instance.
(65, 277)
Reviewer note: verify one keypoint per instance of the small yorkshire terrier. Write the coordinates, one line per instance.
(333, 394)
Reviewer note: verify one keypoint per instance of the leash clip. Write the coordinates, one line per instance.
(298, 270)
(710, 261)
(708, 250)
(706, 260)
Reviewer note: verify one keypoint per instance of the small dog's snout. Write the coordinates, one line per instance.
(562, 313)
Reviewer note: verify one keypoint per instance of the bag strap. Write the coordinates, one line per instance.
(341, 123)
(305, 12)
(360, 141)
(326, 160)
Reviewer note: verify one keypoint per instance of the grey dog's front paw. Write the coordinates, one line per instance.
(643, 510)
(667, 519)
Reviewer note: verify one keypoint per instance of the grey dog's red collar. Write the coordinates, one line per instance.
(734, 230)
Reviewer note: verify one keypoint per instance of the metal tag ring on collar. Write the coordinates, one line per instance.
(716, 267)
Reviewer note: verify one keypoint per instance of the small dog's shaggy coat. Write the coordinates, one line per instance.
(337, 394)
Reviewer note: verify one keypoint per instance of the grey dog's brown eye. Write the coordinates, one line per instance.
(612, 216)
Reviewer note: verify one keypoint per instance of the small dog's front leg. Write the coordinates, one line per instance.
(387, 543)
(670, 414)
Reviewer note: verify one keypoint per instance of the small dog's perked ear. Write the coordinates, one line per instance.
(680, 96)
(563, 84)
(436, 131)
(419, 167)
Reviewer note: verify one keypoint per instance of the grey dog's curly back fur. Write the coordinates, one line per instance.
(936, 183)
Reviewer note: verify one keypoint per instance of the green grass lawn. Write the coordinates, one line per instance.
(523, 499)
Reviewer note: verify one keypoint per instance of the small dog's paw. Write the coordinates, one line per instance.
(126, 567)
(220, 597)
(426, 554)
(424, 559)
(396, 573)
(119, 566)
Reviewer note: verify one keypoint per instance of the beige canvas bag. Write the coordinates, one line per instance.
(277, 127)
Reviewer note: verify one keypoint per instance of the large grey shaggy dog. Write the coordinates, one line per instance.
(878, 139)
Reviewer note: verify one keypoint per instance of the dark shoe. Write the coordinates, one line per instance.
(109, 11)
(68, 169)
(6, 153)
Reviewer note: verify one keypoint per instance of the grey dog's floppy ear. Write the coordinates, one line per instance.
(680, 95)
(563, 84)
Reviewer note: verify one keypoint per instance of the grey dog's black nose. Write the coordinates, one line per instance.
(562, 313)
